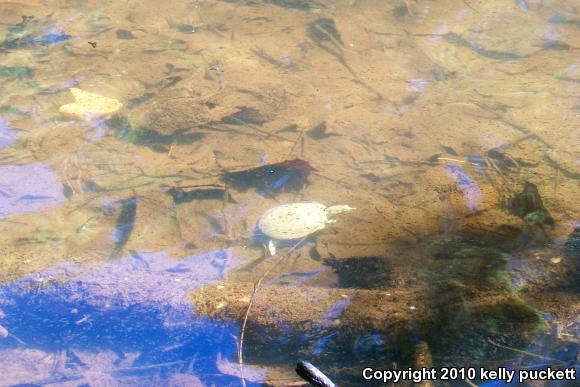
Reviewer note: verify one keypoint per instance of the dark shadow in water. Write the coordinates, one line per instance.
(148, 137)
(371, 272)
(271, 179)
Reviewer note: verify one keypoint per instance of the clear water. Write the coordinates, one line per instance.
(129, 253)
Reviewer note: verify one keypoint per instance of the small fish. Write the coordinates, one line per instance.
(181, 196)
(93, 44)
(289, 128)
(125, 35)
(185, 28)
(164, 83)
(26, 19)
(139, 100)
(245, 115)
(125, 224)
(303, 5)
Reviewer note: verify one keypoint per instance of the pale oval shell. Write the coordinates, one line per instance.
(293, 221)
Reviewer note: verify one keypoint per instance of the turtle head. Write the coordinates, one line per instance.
(335, 210)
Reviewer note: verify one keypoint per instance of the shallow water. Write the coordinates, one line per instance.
(128, 245)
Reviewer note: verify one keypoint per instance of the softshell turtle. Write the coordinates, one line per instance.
(296, 220)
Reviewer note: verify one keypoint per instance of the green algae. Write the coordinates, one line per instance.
(16, 72)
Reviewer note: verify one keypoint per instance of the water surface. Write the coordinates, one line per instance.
(128, 252)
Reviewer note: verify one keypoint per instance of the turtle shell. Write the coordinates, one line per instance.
(293, 221)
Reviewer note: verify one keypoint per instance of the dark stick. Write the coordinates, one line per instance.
(313, 375)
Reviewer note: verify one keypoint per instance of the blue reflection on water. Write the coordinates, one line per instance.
(468, 186)
(335, 311)
(126, 320)
(53, 323)
(52, 35)
(7, 135)
(369, 345)
(321, 344)
(28, 188)
(417, 85)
